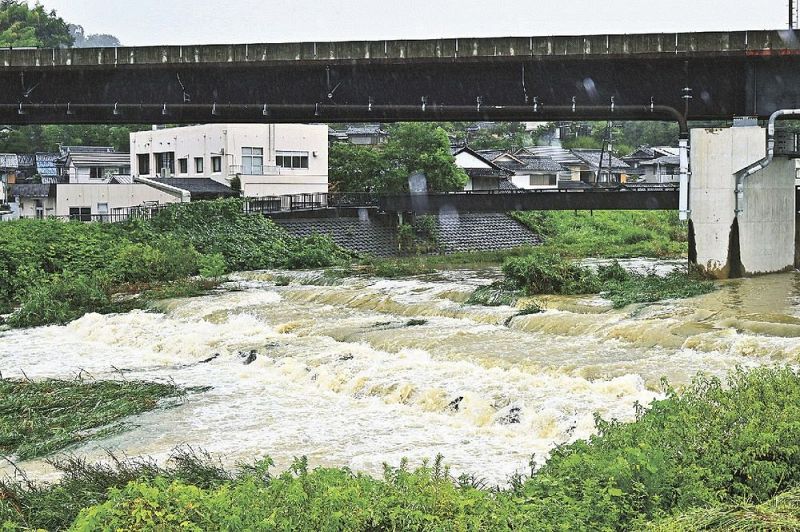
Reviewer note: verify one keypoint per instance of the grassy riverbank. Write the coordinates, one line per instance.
(545, 273)
(609, 234)
(571, 235)
(54, 272)
(722, 454)
(38, 418)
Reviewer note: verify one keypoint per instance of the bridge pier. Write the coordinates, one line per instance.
(761, 238)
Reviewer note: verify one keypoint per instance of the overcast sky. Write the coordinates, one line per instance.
(144, 22)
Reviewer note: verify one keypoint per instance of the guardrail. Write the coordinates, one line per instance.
(637, 195)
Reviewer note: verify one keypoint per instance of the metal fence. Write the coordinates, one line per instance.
(328, 200)
(312, 201)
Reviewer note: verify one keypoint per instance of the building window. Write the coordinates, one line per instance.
(143, 162)
(81, 214)
(183, 166)
(216, 165)
(198, 165)
(253, 161)
(165, 163)
(292, 159)
(543, 180)
(96, 172)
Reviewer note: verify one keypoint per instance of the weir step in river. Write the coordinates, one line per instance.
(361, 371)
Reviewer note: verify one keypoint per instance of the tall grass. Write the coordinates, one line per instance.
(38, 418)
(609, 234)
(712, 456)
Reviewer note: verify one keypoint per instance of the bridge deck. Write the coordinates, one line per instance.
(649, 45)
(511, 78)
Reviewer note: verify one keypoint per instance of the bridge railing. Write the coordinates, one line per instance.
(310, 201)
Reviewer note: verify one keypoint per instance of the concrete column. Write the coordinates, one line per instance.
(761, 239)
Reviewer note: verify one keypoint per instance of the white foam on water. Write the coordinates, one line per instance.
(343, 376)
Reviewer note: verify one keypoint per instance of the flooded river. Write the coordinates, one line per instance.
(361, 371)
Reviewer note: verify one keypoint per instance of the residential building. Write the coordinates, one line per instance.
(96, 165)
(647, 153)
(666, 169)
(659, 164)
(83, 183)
(612, 169)
(483, 173)
(531, 172)
(580, 166)
(268, 159)
(361, 135)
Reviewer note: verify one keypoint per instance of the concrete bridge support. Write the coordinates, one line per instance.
(761, 239)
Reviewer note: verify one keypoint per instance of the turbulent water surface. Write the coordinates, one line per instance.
(361, 371)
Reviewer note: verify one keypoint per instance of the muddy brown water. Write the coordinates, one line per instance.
(343, 378)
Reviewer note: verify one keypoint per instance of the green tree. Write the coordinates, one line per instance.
(422, 147)
(21, 25)
(357, 168)
(412, 147)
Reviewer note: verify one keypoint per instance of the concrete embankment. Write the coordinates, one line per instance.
(376, 234)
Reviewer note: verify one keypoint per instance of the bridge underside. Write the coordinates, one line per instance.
(507, 87)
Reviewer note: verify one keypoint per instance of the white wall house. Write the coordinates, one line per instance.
(96, 185)
(96, 166)
(483, 173)
(270, 159)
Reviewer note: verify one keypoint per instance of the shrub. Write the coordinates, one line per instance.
(45, 416)
(715, 442)
(546, 273)
(648, 288)
(60, 299)
(406, 240)
(166, 259)
(248, 242)
(542, 273)
(495, 294)
(212, 265)
(609, 233)
(707, 455)
(315, 251)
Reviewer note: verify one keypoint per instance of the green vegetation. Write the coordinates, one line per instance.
(494, 295)
(25, 26)
(779, 513)
(412, 147)
(542, 272)
(38, 418)
(22, 25)
(626, 136)
(609, 234)
(54, 272)
(424, 264)
(27, 505)
(718, 454)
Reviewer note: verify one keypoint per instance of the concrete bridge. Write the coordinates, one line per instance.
(741, 197)
(520, 78)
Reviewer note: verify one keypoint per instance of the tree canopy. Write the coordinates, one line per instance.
(23, 26)
(412, 147)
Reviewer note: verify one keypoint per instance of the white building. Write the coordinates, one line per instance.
(269, 159)
(95, 184)
(483, 173)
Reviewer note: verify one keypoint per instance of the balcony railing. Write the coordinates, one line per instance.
(254, 170)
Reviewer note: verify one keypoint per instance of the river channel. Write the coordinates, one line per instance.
(360, 371)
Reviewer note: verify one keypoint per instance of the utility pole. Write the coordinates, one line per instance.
(792, 18)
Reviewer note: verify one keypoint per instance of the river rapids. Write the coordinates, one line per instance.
(362, 371)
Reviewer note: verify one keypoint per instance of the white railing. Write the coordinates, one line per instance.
(254, 170)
